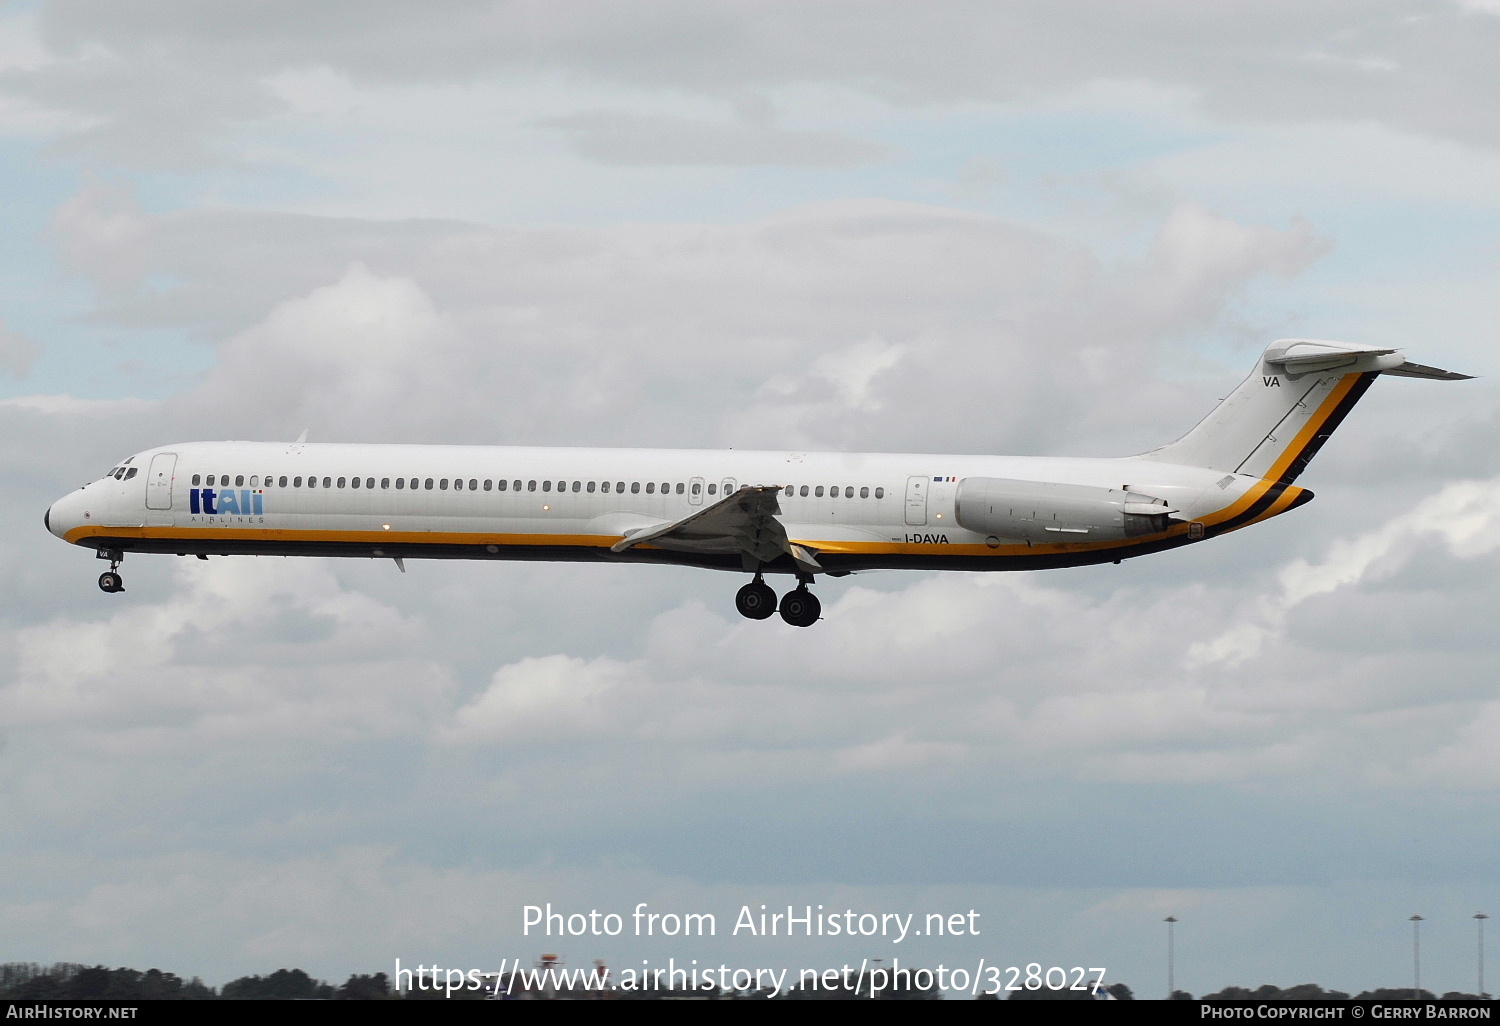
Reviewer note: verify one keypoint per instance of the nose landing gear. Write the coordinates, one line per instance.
(110, 581)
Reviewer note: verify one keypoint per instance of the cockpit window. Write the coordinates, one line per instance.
(130, 473)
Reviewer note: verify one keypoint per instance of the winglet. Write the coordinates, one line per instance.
(301, 438)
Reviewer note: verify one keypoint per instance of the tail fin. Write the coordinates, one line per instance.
(1275, 422)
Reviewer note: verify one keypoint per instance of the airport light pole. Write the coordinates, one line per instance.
(1416, 957)
(1480, 917)
(1171, 978)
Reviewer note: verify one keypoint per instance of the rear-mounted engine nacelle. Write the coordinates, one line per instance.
(1039, 511)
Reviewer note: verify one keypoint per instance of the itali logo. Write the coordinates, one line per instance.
(227, 501)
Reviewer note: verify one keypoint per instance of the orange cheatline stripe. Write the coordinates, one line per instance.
(378, 538)
(1294, 448)
(1282, 503)
(1313, 426)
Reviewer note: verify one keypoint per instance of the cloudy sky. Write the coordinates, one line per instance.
(1021, 227)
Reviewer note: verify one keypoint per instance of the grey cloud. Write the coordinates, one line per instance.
(619, 137)
(161, 79)
(834, 326)
(17, 352)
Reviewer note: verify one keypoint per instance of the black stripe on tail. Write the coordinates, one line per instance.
(1299, 463)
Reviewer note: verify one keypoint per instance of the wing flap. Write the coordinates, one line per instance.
(744, 522)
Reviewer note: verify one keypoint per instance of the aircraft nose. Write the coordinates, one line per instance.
(64, 514)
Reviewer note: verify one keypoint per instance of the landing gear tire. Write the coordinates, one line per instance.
(801, 608)
(111, 582)
(755, 601)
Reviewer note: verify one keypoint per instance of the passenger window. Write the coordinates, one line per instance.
(880, 493)
(254, 481)
(791, 490)
(679, 488)
(296, 482)
(312, 482)
(650, 487)
(443, 485)
(665, 487)
(400, 482)
(195, 480)
(604, 487)
(697, 488)
(458, 484)
(591, 488)
(327, 482)
(473, 484)
(369, 482)
(804, 491)
(488, 484)
(209, 480)
(385, 482)
(341, 482)
(562, 486)
(239, 481)
(849, 491)
(577, 485)
(818, 491)
(517, 486)
(281, 483)
(546, 486)
(635, 487)
(503, 485)
(354, 482)
(713, 489)
(864, 493)
(531, 486)
(428, 484)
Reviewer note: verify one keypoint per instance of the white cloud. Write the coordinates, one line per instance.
(1465, 515)
(1415, 66)
(621, 137)
(242, 648)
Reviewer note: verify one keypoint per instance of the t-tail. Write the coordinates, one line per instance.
(1275, 422)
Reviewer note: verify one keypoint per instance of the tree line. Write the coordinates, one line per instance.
(70, 981)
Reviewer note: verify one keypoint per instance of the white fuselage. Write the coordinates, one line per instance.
(855, 510)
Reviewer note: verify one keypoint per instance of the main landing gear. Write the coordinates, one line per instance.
(110, 581)
(799, 607)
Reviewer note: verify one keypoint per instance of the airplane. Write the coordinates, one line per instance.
(797, 513)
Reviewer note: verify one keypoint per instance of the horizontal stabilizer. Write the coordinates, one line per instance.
(1278, 418)
(1420, 370)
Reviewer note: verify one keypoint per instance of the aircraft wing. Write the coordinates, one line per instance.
(744, 522)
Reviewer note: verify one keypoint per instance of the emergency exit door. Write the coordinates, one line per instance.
(916, 500)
